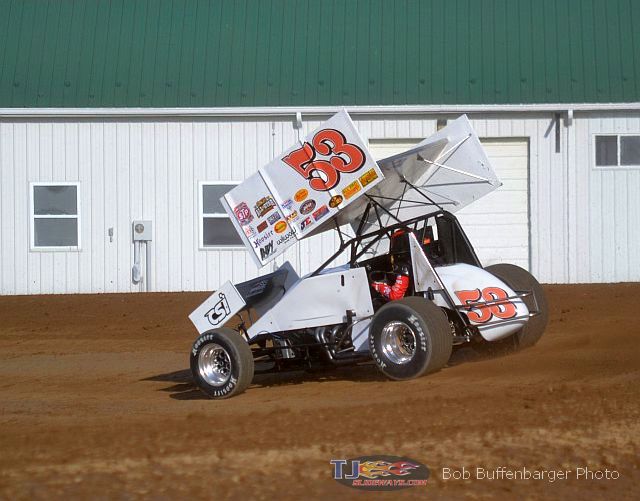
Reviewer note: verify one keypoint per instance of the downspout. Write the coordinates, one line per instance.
(569, 123)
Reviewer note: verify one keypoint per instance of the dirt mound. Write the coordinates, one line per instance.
(96, 400)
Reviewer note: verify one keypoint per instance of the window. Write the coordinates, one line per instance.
(55, 216)
(618, 151)
(216, 229)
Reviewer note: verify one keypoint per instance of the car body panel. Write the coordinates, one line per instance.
(217, 309)
(495, 321)
(319, 300)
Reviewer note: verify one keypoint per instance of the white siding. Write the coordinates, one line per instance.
(498, 225)
(582, 220)
(603, 205)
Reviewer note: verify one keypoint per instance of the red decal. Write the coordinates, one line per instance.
(325, 175)
(482, 314)
(501, 309)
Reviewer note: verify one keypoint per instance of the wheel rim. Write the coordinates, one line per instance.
(214, 365)
(398, 342)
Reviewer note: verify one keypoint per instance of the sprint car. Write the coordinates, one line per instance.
(409, 287)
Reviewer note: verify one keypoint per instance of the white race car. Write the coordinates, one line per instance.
(412, 286)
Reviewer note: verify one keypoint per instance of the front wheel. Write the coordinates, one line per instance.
(410, 337)
(221, 363)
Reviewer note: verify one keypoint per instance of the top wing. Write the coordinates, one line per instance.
(302, 189)
(327, 180)
(448, 170)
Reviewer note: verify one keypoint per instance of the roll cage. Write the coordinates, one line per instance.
(452, 246)
(454, 243)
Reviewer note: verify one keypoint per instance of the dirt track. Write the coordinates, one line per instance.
(95, 400)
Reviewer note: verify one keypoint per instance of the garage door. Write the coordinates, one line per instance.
(498, 224)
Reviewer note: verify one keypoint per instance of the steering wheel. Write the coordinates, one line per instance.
(379, 275)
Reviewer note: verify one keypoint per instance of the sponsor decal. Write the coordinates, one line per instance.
(287, 204)
(243, 213)
(301, 195)
(249, 231)
(368, 177)
(292, 217)
(306, 223)
(380, 473)
(321, 212)
(266, 251)
(351, 189)
(307, 207)
(335, 201)
(257, 242)
(264, 205)
(273, 218)
(286, 237)
(262, 226)
(280, 227)
(220, 310)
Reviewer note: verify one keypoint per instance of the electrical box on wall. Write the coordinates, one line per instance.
(142, 231)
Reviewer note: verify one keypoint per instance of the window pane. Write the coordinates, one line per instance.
(211, 194)
(606, 150)
(629, 150)
(55, 200)
(56, 232)
(219, 231)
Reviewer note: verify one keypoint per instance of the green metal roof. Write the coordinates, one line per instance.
(162, 53)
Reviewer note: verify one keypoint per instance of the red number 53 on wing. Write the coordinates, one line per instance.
(324, 173)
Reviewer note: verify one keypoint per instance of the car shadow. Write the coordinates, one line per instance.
(466, 354)
(183, 386)
(361, 373)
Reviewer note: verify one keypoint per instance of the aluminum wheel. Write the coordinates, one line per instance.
(214, 365)
(398, 342)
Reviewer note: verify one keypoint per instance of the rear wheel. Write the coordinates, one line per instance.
(222, 363)
(521, 280)
(410, 337)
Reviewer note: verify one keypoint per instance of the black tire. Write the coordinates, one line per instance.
(428, 327)
(521, 280)
(221, 363)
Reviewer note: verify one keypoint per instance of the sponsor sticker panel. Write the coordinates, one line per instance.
(335, 201)
(301, 195)
(331, 167)
(255, 215)
(305, 224)
(320, 213)
(307, 207)
(273, 218)
(368, 177)
(350, 190)
(302, 188)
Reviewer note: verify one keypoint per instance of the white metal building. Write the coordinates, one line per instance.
(563, 215)
(104, 124)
